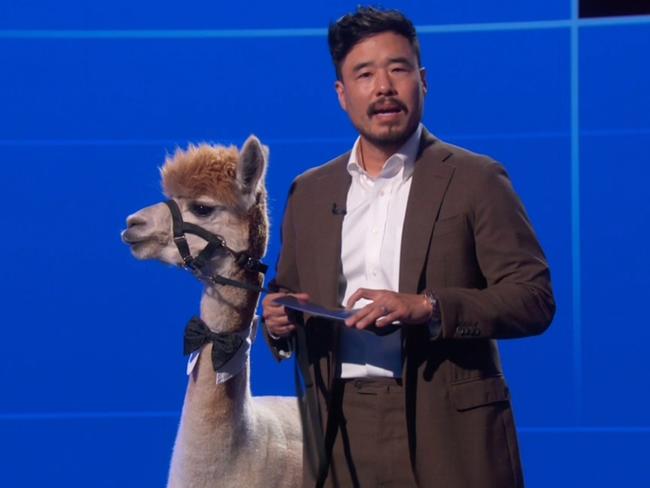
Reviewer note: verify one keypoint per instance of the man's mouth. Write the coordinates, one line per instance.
(386, 109)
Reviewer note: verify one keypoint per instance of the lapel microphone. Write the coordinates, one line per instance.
(336, 210)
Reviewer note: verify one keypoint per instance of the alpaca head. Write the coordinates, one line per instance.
(218, 188)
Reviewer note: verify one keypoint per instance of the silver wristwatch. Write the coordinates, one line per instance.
(435, 307)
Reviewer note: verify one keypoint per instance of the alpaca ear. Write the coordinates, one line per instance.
(252, 164)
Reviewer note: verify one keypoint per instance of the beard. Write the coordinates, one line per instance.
(395, 137)
(391, 137)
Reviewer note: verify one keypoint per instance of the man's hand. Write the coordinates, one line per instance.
(276, 320)
(388, 307)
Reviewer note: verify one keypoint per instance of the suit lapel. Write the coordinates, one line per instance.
(331, 204)
(430, 180)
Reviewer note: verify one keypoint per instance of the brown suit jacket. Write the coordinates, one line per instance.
(466, 236)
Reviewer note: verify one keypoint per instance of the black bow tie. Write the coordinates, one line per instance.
(224, 346)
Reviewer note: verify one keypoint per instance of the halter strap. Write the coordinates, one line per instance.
(214, 243)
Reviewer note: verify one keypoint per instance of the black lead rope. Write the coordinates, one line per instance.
(222, 280)
(315, 434)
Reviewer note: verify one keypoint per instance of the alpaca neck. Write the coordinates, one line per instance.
(217, 418)
(215, 423)
(212, 408)
(224, 310)
(228, 308)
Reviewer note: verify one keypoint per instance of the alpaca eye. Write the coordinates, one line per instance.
(201, 210)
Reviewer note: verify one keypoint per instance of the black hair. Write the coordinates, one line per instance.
(365, 22)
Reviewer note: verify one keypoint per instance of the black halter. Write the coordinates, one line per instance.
(214, 243)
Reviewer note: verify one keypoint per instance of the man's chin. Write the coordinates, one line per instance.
(388, 137)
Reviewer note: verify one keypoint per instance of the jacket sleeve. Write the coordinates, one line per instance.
(286, 277)
(517, 299)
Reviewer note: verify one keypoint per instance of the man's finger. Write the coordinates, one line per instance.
(362, 293)
(269, 299)
(387, 319)
(371, 318)
(368, 315)
(303, 297)
(271, 311)
(283, 329)
(352, 321)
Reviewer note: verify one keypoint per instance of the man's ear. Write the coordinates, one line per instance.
(340, 92)
(423, 79)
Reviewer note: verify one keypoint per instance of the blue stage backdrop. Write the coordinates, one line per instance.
(93, 95)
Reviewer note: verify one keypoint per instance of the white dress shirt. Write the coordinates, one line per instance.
(370, 254)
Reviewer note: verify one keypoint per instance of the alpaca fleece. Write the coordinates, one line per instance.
(202, 170)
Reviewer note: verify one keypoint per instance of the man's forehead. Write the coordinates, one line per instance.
(380, 48)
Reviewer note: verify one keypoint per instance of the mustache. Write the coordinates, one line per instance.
(378, 105)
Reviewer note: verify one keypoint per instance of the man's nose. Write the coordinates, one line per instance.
(385, 84)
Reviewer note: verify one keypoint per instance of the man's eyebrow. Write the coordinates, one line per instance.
(397, 60)
(360, 66)
(400, 60)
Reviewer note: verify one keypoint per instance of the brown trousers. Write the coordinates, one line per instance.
(371, 444)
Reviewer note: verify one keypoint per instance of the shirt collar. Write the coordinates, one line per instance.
(403, 158)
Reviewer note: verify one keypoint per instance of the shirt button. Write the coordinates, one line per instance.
(381, 193)
(374, 230)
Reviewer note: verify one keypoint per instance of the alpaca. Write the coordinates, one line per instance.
(226, 437)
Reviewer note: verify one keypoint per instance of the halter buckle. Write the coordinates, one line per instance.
(248, 263)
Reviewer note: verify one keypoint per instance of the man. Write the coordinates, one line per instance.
(432, 245)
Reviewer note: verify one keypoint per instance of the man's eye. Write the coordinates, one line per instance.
(365, 74)
(201, 210)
